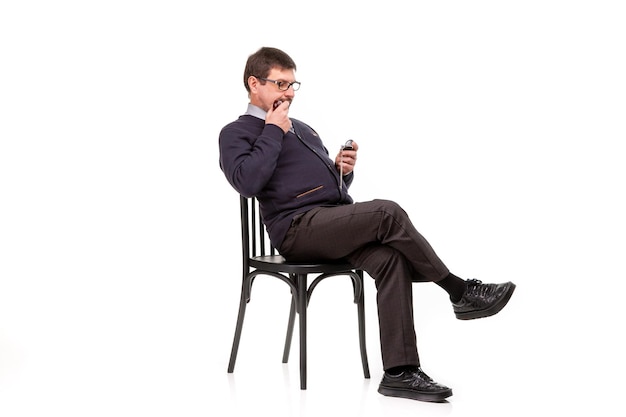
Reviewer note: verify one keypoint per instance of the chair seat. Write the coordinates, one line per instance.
(278, 263)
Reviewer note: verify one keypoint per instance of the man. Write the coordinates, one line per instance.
(309, 215)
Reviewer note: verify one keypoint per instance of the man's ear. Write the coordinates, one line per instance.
(252, 82)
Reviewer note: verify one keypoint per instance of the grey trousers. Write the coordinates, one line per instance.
(378, 237)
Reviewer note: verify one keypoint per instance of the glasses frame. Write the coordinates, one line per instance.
(295, 85)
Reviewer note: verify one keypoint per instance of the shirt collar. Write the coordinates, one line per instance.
(256, 111)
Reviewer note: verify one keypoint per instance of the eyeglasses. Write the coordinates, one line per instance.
(283, 85)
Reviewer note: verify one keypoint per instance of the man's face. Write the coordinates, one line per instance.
(264, 93)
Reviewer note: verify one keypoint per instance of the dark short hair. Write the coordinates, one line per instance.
(261, 62)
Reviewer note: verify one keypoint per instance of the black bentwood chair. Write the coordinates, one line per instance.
(260, 258)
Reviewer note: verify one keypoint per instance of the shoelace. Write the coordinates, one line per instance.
(422, 378)
(475, 286)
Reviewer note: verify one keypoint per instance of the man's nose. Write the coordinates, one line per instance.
(290, 92)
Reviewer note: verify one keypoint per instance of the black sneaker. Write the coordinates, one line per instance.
(413, 384)
(482, 300)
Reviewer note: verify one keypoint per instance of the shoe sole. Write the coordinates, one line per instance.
(494, 309)
(415, 395)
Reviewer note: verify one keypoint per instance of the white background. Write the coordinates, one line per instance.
(498, 125)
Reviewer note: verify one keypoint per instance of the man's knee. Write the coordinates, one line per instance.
(391, 209)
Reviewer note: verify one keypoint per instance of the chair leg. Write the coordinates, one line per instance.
(302, 300)
(235, 348)
(290, 325)
(361, 314)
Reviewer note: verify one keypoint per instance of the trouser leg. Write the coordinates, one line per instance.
(394, 297)
(329, 233)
